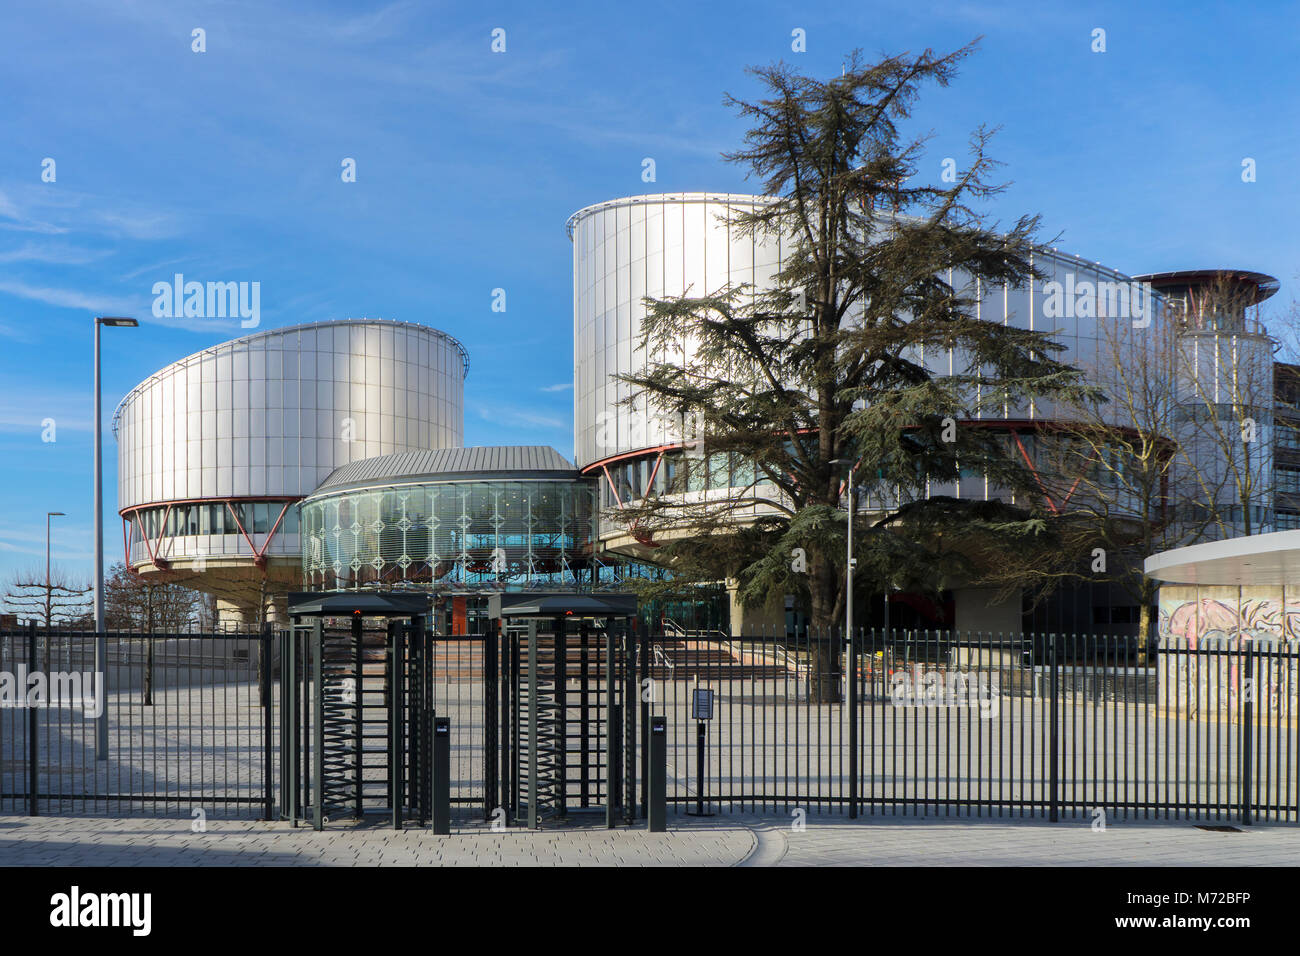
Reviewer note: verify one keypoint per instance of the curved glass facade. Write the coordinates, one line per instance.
(453, 535)
(207, 529)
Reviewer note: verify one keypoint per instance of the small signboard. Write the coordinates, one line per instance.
(702, 704)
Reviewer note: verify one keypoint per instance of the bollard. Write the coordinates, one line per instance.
(442, 775)
(657, 798)
(700, 732)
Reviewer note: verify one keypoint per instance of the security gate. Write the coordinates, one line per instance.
(553, 733)
(565, 731)
(358, 710)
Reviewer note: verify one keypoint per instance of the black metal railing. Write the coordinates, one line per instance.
(913, 722)
(188, 719)
(1064, 726)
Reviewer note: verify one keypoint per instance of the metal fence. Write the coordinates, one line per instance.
(937, 723)
(1066, 726)
(187, 723)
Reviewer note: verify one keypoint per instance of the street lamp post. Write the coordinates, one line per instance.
(48, 602)
(101, 642)
(849, 562)
(852, 663)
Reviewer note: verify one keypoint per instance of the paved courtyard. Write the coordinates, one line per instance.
(715, 841)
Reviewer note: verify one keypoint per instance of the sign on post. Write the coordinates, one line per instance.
(702, 704)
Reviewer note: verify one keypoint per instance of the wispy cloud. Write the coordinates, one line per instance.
(558, 387)
(52, 253)
(515, 417)
(62, 211)
(25, 405)
(380, 24)
(72, 298)
(66, 541)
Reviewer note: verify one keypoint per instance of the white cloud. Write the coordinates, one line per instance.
(72, 298)
(512, 416)
(58, 254)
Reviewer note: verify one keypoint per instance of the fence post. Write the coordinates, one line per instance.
(441, 775)
(853, 723)
(613, 734)
(657, 785)
(491, 705)
(1247, 731)
(318, 726)
(33, 750)
(1053, 687)
(268, 727)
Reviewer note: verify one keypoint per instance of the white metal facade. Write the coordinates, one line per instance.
(679, 244)
(270, 415)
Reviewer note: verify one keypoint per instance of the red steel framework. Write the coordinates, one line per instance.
(155, 548)
(1013, 427)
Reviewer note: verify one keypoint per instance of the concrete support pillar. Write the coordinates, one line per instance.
(235, 613)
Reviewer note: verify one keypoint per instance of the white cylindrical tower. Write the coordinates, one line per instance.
(678, 244)
(215, 450)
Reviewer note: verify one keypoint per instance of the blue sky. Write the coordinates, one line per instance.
(225, 165)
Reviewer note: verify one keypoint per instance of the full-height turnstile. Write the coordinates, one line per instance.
(357, 709)
(562, 714)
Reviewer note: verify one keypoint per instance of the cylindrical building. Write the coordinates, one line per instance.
(678, 244)
(215, 450)
(672, 245)
(1224, 390)
(459, 523)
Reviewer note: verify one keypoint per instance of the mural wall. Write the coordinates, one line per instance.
(1206, 635)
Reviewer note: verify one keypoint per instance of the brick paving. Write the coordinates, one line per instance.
(725, 840)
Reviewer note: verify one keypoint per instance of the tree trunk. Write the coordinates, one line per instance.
(1146, 627)
(824, 641)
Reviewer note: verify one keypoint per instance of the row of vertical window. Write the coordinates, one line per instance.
(256, 517)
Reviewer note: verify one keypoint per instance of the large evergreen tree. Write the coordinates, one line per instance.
(880, 278)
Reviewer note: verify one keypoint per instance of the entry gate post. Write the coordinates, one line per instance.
(490, 706)
(441, 775)
(561, 730)
(33, 749)
(358, 727)
(290, 729)
(396, 711)
(613, 731)
(318, 717)
(657, 796)
(268, 728)
(533, 717)
(638, 648)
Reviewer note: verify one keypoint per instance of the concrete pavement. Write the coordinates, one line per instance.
(724, 840)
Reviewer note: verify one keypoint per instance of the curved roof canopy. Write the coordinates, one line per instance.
(1261, 284)
(1264, 559)
(451, 464)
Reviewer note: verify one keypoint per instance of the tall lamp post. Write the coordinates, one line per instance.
(852, 663)
(101, 642)
(848, 564)
(48, 602)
